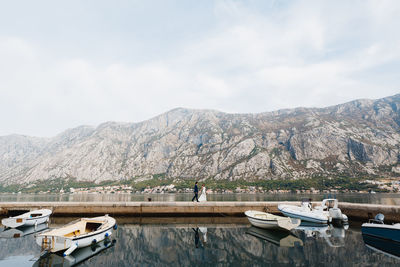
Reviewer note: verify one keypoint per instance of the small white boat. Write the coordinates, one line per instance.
(271, 221)
(327, 212)
(28, 219)
(80, 233)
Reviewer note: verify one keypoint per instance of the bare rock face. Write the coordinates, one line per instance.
(359, 137)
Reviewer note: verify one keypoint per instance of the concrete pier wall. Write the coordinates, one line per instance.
(234, 208)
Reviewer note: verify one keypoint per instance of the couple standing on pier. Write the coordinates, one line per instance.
(196, 193)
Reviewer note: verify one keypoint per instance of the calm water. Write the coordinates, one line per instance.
(384, 198)
(207, 242)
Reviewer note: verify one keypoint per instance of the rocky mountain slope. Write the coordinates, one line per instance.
(361, 137)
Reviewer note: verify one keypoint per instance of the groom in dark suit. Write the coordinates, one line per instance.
(196, 192)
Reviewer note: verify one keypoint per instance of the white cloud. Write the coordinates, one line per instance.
(308, 53)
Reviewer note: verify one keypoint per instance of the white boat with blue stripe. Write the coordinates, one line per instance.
(81, 233)
(31, 218)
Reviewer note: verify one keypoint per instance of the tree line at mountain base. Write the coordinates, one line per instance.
(340, 183)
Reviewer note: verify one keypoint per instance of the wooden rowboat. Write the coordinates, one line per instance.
(271, 221)
(28, 219)
(80, 233)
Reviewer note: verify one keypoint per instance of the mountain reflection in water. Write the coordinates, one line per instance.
(197, 243)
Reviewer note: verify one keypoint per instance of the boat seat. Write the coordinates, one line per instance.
(74, 233)
(264, 216)
(321, 207)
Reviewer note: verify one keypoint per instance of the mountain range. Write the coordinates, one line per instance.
(361, 137)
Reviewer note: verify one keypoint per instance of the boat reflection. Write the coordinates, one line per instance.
(22, 231)
(277, 237)
(333, 235)
(76, 257)
(387, 247)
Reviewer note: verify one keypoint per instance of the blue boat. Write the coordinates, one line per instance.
(378, 229)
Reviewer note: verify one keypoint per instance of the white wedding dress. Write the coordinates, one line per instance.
(203, 195)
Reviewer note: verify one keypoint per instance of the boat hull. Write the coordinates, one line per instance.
(382, 231)
(304, 216)
(263, 223)
(19, 221)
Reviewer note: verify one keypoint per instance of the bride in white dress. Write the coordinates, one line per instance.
(203, 194)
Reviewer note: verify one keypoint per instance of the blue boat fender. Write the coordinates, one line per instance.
(115, 226)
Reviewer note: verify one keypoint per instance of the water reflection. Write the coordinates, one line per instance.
(146, 243)
(200, 242)
(196, 237)
(280, 238)
(203, 230)
(23, 231)
(78, 256)
(334, 236)
(387, 247)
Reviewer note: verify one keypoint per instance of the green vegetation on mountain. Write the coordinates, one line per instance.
(316, 183)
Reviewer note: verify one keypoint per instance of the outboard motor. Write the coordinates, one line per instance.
(337, 217)
(379, 218)
(335, 213)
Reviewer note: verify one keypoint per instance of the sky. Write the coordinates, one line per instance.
(70, 63)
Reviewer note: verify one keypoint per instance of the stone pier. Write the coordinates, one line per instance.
(354, 211)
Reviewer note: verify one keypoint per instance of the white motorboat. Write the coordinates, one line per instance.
(77, 234)
(23, 231)
(28, 219)
(268, 220)
(327, 212)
